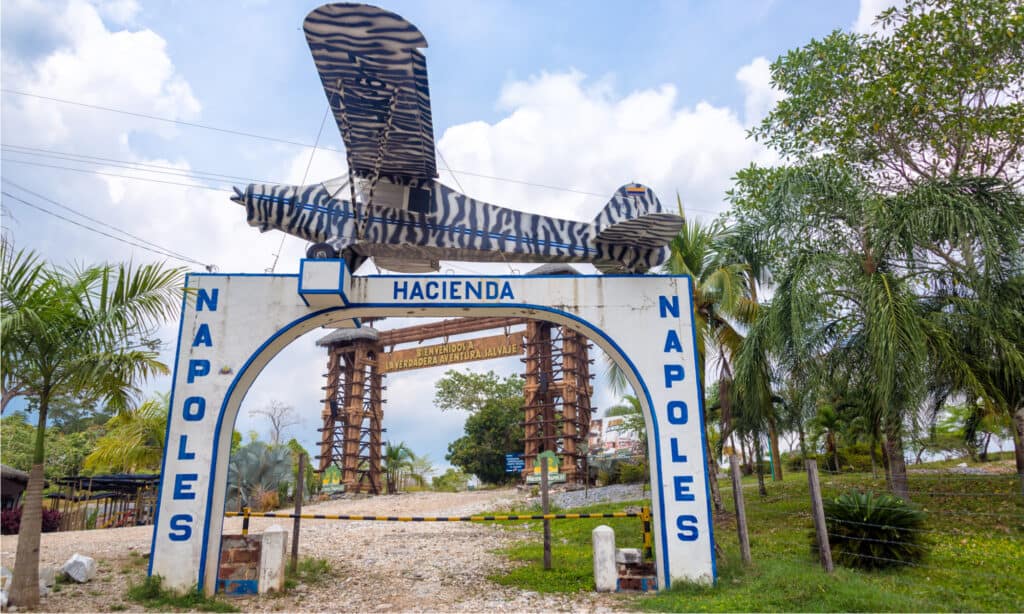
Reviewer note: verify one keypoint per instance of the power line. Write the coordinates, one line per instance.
(94, 172)
(307, 145)
(97, 231)
(157, 118)
(141, 166)
(101, 222)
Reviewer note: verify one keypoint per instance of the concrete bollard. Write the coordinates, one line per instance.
(273, 555)
(605, 574)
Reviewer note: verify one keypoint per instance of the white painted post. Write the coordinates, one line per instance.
(273, 554)
(606, 575)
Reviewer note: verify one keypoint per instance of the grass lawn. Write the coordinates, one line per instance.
(975, 527)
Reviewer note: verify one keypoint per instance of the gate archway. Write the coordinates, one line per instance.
(232, 325)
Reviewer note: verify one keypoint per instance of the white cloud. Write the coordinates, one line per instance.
(560, 131)
(869, 10)
(759, 95)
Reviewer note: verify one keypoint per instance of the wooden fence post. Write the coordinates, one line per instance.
(818, 512)
(544, 506)
(300, 492)
(741, 510)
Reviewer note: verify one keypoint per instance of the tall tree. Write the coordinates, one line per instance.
(280, 415)
(494, 427)
(935, 93)
(720, 293)
(69, 332)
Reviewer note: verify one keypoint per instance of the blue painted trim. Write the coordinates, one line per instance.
(220, 420)
(167, 432)
(703, 437)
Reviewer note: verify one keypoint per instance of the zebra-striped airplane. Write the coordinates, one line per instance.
(375, 79)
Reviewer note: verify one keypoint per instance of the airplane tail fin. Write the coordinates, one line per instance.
(634, 217)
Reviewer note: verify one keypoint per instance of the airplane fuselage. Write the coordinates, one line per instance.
(448, 226)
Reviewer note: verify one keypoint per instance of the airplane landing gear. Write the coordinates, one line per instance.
(321, 251)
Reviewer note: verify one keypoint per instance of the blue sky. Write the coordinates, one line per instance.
(578, 95)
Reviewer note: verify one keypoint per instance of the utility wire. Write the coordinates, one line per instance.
(178, 255)
(141, 166)
(94, 172)
(307, 145)
(449, 169)
(97, 231)
(305, 175)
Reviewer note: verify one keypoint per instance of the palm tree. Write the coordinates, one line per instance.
(68, 332)
(721, 293)
(862, 278)
(397, 460)
(134, 440)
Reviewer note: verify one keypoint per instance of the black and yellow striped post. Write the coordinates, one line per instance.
(245, 519)
(645, 521)
(246, 514)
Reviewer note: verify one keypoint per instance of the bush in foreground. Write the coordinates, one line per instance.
(873, 531)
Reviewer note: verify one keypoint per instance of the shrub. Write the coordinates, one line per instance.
(10, 521)
(631, 473)
(870, 531)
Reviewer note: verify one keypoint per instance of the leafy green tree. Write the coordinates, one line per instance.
(73, 414)
(83, 331)
(452, 480)
(17, 437)
(493, 428)
(468, 391)
(134, 441)
(936, 94)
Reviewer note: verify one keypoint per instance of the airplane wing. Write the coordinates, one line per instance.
(376, 84)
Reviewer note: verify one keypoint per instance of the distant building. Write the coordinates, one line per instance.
(608, 435)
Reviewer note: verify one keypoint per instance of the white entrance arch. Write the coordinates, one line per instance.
(232, 325)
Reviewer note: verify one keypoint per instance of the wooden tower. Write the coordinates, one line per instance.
(353, 409)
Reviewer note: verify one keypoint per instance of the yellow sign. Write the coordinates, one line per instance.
(452, 352)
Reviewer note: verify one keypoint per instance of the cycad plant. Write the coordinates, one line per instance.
(873, 531)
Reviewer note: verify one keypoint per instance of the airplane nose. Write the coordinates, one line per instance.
(239, 196)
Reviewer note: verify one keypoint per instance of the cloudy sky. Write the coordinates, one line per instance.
(141, 115)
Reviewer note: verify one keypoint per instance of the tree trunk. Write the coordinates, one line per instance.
(897, 462)
(1018, 444)
(773, 441)
(803, 443)
(25, 584)
(712, 470)
(983, 455)
(761, 489)
(747, 467)
(874, 458)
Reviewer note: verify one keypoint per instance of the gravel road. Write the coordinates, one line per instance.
(379, 566)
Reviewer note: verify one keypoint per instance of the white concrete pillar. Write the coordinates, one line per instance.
(273, 554)
(605, 574)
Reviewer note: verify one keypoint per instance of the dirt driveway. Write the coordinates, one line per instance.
(378, 566)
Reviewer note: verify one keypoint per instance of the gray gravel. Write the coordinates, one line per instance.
(569, 499)
(379, 566)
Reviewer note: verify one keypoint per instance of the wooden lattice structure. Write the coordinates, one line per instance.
(556, 388)
(353, 409)
(557, 393)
